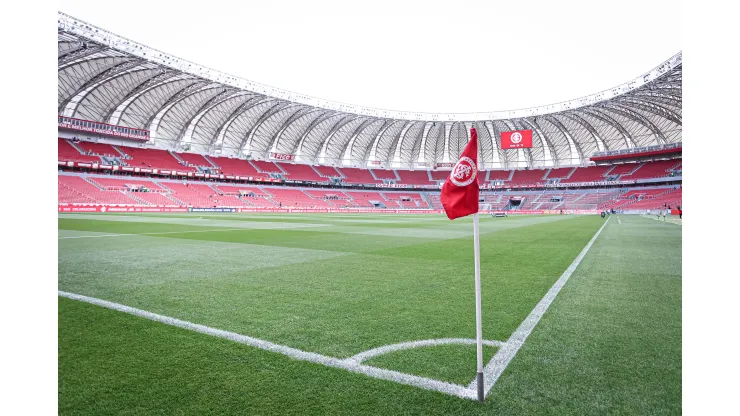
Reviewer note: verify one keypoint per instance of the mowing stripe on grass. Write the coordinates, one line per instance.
(166, 232)
(503, 357)
(346, 364)
(668, 220)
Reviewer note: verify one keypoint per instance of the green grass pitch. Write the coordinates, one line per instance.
(339, 285)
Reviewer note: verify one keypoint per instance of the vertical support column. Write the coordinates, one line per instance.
(446, 153)
(427, 127)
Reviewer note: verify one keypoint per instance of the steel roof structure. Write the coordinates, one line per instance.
(107, 78)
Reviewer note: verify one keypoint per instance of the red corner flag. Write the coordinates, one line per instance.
(460, 192)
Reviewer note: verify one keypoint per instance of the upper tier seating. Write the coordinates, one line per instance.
(499, 175)
(559, 173)
(102, 149)
(384, 174)
(301, 173)
(353, 175)
(266, 167)
(154, 158)
(440, 175)
(587, 174)
(656, 169)
(624, 169)
(414, 177)
(528, 177)
(194, 159)
(237, 167)
(328, 171)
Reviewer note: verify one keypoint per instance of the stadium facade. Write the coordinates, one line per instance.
(184, 106)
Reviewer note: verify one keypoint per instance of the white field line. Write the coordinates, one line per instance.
(503, 357)
(346, 364)
(620, 221)
(492, 371)
(162, 233)
(366, 355)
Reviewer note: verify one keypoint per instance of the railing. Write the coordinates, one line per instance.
(102, 128)
(645, 149)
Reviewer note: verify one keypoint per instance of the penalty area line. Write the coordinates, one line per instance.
(348, 364)
(503, 356)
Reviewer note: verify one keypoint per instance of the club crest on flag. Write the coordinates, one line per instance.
(464, 172)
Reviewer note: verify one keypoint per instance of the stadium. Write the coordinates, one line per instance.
(230, 247)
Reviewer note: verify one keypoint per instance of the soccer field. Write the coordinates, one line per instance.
(326, 314)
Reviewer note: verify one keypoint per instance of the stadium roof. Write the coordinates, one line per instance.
(186, 106)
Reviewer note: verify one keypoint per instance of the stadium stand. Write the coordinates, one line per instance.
(266, 167)
(296, 198)
(364, 198)
(237, 167)
(482, 177)
(80, 188)
(414, 177)
(116, 190)
(500, 175)
(153, 158)
(656, 169)
(67, 152)
(197, 195)
(118, 183)
(101, 149)
(587, 174)
(382, 174)
(624, 169)
(642, 199)
(337, 198)
(672, 197)
(301, 173)
(405, 200)
(68, 193)
(440, 175)
(358, 176)
(328, 171)
(252, 196)
(528, 177)
(559, 173)
(194, 159)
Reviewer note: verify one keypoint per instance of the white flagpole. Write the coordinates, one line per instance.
(478, 314)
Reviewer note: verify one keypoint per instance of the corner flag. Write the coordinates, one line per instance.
(460, 192)
(460, 195)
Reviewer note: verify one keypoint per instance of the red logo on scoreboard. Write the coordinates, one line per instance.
(281, 156)
(518, 139)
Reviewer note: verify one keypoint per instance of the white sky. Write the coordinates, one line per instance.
(432, 56)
